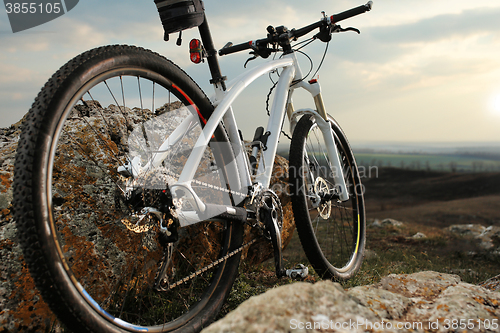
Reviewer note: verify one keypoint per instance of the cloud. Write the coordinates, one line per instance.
(466, 23)
(429, 52)
(380, 44)
(404, 62)
(12, 74)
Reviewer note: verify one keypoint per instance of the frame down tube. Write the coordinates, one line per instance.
(274, 125)
(234, 90)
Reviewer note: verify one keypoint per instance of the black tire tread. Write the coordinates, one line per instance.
(306, 233)
(23, 188)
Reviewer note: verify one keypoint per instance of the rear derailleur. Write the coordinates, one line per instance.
(153, 207)
(158, 206)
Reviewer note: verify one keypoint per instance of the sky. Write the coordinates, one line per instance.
(421, 71)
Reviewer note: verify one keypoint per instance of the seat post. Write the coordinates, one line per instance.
(213, 62)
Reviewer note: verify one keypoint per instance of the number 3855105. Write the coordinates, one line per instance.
(33, 8)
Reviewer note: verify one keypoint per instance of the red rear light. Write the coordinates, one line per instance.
(194, 44)
(196, 58)
(195, 51)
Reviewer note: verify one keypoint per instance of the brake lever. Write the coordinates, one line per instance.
(259, 52)
(250, 59)
(325, 33)
(340, 29)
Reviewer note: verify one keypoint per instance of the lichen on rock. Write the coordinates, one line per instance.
(420, 302)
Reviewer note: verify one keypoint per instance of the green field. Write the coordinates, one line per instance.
(459, 163)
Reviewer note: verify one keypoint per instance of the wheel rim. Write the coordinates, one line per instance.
(112, 267)
(336, 225)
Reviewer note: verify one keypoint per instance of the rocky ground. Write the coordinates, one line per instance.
(420, 302)
(21, 307)
(450, 212)
(446, 222)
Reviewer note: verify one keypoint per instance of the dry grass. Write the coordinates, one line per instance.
(426, 203)
(390, 250)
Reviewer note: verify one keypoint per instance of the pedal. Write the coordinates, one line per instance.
(300, 272)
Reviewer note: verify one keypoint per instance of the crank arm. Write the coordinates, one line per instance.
(275, 233)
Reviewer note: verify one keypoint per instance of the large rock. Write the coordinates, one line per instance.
(467, 229)
(426, 297)
(420, 302)
(21, 306)
(487, 238)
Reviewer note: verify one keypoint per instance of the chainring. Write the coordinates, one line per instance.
(271, 200)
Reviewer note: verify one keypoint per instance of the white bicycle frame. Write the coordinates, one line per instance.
(282, 105)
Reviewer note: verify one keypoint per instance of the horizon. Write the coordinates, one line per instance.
(421, 71)
(396, 147)
(444, 145)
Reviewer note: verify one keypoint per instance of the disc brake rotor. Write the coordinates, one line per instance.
(321, 186)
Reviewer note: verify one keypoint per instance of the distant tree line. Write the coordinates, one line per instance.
(452, 166)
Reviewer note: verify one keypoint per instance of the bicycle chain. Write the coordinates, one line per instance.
(170, 173)
(218, 261)
(209, 266)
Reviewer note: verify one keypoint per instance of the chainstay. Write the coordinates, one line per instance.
(201, 183)
(210, 266)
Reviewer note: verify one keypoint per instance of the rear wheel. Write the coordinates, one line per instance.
(85, 191)
(332, 233)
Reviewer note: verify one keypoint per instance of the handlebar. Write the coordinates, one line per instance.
(351, 12)
(235, 48)
(295, 33)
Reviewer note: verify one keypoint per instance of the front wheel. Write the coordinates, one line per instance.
(86, 178)
(332, 232)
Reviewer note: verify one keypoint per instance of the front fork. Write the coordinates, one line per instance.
(323, 122)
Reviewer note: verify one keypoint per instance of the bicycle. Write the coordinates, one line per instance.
(131, 215)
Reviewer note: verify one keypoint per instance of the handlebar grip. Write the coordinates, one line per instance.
(351, 12)
(235, 48)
